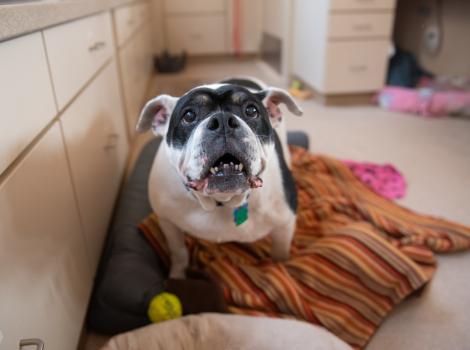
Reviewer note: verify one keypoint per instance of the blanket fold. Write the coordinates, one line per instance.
(354, 256)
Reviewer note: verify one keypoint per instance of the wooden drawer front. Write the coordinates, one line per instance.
(127, 19)
(44, 271)
(96, 143)
(196, 35)
(26, 94)
(362, 4)
(130, 79)
(76, 51)
(194, 6)
(355, 66)
(360, 25)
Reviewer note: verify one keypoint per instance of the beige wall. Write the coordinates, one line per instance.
(454, 57)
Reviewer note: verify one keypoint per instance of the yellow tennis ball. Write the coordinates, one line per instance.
(164, 306)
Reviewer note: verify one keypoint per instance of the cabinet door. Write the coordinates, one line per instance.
(44, 272)
(96, 143)
(26, 94)
(76, 50)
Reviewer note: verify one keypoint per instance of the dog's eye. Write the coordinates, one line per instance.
(251, 111)
(189, 117)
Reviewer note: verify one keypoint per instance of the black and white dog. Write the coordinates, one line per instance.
(221, 173)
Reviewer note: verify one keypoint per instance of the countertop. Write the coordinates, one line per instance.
(26, 17)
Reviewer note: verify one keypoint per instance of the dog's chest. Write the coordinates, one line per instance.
(226, 224)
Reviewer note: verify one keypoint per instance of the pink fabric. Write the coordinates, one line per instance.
(425, 101)
(385, 180)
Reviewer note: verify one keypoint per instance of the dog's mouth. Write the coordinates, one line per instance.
(227, 174)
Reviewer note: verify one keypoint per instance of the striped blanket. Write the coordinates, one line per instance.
(354, 256)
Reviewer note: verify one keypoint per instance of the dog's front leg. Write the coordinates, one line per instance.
(281, 241)
(178, 251)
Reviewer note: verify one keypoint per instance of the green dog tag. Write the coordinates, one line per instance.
(240, 214)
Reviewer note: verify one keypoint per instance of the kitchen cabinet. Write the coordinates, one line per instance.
(97, 147)
(76, 50)
(45, 276)
(63, 151)
(341, 47)
(26, 95)
(135, 64)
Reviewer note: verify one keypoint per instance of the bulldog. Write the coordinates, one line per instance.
(222, 171)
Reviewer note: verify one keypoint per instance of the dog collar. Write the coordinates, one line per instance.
(240, 214)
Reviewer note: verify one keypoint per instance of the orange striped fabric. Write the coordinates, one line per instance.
(354, 255)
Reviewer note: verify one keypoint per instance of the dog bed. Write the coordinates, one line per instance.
(354, 256)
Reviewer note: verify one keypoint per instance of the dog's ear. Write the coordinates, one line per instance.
(272, 97)
(156, 114)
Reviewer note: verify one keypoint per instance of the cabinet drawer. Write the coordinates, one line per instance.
(44, 272)
(76, 50)
(196, 35)
(355, 66)
(195, 6)
(362, 4)
(127, 19)
(360, 25)
(95, 139)
(27, 96)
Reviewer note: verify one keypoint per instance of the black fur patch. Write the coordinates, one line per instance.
(288, 183)
(205, 101)
(249, 84)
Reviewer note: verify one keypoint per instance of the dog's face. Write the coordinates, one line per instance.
(218, 136)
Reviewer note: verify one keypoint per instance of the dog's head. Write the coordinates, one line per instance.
(218, 136)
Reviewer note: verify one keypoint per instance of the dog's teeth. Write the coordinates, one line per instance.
(240, 167)
(231, 163)
(216, 169)
(225, 166)
(213, 171)
(236, 166)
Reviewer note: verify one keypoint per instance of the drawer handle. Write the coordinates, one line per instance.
(112, 141)
(33, 341)
(96, 46)
(362, 27)
(358, 68)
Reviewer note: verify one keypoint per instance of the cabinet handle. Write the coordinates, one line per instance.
(112, 141)
(358, 68)
(33, 341)
(96, 46)
(362, 27)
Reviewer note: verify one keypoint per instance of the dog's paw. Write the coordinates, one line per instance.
(279, 256)
(177, 272)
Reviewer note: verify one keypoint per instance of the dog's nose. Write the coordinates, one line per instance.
(227, 121)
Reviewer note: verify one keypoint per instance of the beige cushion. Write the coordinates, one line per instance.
(228, 332)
